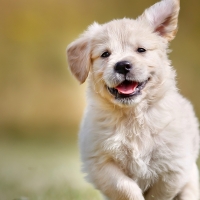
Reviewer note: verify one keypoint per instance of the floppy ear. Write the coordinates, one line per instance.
(78, 53)
(163, 17)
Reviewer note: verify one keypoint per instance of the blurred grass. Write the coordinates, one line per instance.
(42, 169)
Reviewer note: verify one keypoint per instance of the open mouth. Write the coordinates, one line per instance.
(127, 89)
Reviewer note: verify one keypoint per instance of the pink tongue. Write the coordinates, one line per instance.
(127, 87)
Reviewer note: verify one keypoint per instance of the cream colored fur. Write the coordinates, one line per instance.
(145, 147)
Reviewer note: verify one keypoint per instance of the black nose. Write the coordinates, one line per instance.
(123, 67)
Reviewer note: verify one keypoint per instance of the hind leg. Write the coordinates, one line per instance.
(191, 190)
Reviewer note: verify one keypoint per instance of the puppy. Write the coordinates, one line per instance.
(139, 137)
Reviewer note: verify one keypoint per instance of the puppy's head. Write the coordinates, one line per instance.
(127, 59)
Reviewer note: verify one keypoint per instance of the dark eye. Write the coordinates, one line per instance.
(105, 54)
(141, 50)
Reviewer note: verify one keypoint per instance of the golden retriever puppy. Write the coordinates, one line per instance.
(139, 137)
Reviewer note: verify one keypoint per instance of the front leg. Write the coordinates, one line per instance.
(113, 183)
(167, 187)
(191, 189)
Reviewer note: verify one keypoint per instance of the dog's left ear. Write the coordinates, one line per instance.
(163, 17)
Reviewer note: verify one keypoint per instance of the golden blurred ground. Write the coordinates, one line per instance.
(40, 169)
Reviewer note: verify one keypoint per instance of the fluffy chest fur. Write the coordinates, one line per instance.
(143, 145)
(141, 155)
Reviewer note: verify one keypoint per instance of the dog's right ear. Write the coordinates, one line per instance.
(79, 54)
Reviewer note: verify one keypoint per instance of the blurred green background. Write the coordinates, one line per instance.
(41, 104)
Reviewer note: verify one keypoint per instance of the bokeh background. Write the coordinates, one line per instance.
(41, 104)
